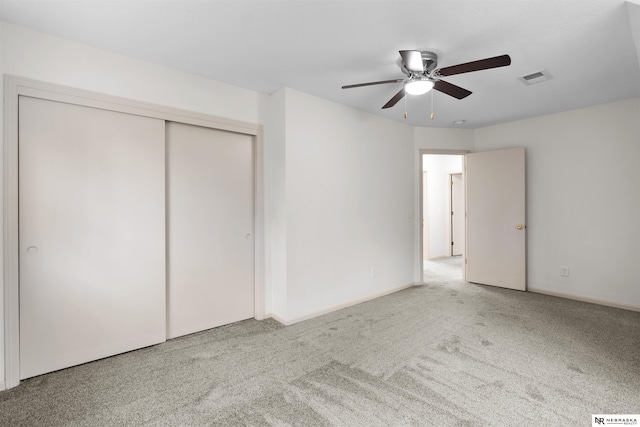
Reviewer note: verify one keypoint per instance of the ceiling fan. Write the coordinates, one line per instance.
(422, 74)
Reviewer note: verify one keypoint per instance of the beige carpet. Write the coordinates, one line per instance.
(445, 354)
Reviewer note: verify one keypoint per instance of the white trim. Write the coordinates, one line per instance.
(54, 92)
(449, 216)
(449, 224)
(424, 221)
(11, 244)
(278, 319)
(421, 222)
(288, 322)
(437, 257)
(17, 86)
(259, 240)
(585, 299)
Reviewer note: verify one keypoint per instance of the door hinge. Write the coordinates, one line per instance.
(451, 213)
(451, 243)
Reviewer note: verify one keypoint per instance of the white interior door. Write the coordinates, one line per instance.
(92, 234)
(425, 219)
(495, 227)
(210, 228)
(457, 214)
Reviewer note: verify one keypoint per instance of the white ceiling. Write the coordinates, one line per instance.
(587, 47)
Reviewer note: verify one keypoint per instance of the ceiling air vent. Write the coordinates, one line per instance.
(537, 77)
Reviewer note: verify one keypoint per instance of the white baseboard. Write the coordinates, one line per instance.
(278, 319)
(585, 299)
(288, 322)
(2, 385)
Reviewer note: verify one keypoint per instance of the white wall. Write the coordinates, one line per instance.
(438, 192)
(2, 375)
(583, 199)
(276, 207)
(633, 9)
(442, 139)
(349, 203)
(31, 54)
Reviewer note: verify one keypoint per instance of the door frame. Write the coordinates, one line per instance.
(14, 87)
(421, 153)
(450, 219)
(424, 222)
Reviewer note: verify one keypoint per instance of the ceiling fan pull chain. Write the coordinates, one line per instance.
(405, 107)
(432, 116)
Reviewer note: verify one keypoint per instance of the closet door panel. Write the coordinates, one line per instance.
(92, 234)
(210, 219)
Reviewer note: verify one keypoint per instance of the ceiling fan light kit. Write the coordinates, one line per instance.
(418, 86)
(422, 75)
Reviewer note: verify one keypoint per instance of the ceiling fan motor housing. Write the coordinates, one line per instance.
(429, 60)
(429, 63)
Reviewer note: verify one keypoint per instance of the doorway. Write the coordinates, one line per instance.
(442, 211)
(494, 250)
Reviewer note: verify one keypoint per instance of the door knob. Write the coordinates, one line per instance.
(248, 236)
(519, 227)
(32, 249)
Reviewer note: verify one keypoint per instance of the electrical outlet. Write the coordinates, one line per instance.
(564, 271)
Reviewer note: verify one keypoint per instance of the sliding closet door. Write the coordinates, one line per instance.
(92, 234)
(210, 218)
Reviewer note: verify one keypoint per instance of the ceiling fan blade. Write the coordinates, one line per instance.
(382, 82)
(412, 60)
(482, 64)
(393, 101)
(451, 89)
